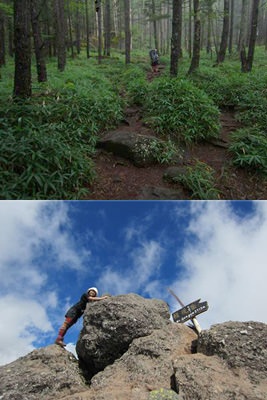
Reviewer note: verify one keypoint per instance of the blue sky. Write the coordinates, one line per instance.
(51, 252)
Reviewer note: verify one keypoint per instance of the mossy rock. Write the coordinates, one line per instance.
(163, 394)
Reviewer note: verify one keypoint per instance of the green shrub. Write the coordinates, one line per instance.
(253, 103)
(39, 164)
(47, 141)
(179, 109)
(224, 89)
(249, 147)
(199, 179)
(137, 91)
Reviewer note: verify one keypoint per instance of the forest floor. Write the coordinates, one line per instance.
(118, 179)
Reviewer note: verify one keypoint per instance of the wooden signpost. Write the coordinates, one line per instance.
(189, 311)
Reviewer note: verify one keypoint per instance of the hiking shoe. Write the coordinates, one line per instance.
(60, 343)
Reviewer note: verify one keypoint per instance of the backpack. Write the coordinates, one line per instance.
(153, 55)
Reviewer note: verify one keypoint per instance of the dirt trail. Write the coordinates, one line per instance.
(119, 179)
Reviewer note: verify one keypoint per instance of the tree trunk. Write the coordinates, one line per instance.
(39, 46)
(225, 33)
(168, 27)
(87, 30)
(155, 24)
(22, 41)
(48, 41)
(99, 23)
(70, 29)
(209, 37)
(107, 28)
(60, 33)
(127, 32)
(247, 62)
(196, 44)
(190, 29)
(10, 38)
(241, 42)
(176, 36)
(2, 39)
(230, 46)
(77, 27)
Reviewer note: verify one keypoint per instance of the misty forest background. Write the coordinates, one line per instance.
(64, 65)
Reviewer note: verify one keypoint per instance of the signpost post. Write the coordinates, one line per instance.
(189, 312)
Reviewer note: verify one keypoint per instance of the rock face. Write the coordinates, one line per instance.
(146, 366)
(46, 373)
(111, 325)
(239, 344)
(144, 356)
(133, 146)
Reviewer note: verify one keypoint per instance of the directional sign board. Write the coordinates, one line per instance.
(190, 311)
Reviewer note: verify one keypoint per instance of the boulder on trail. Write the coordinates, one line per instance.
(171, 173)
(46, 373)
(130, 145)
(161, 193)
(110, 326)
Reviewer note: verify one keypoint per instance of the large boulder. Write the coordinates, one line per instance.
(130, 145)
(161, 193)
(146, 366)
(111, 325)
(240, 344)
(44, 374)
(209, 378)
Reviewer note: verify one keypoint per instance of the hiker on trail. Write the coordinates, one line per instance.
(154, 60)
(76, 311)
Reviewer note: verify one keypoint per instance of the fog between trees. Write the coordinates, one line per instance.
(179, 28)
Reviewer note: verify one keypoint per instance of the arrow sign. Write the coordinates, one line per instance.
(190, 311)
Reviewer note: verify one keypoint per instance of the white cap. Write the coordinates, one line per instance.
(94, 289)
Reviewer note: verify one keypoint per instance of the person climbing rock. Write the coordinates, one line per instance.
(76, 311)
(154, 60)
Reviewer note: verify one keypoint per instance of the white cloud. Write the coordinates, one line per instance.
(22, 321)
(226, 264)
(36, 239)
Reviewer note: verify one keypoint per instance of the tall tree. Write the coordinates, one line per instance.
(247, 61)
(87, 30)
(196, 43)
(77, 27)
(98, 9)
(225, 33)
(107, 27)
(60, 25)
(243, 22)
(190, 29)
(2, 39)
(70, 29)
(127, 31)
(231, 33)
(176, 39)
(22, 42)
(39, 45)
(155, 29)
(209, 4)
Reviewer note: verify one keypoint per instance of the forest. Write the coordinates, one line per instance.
(84, 114)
